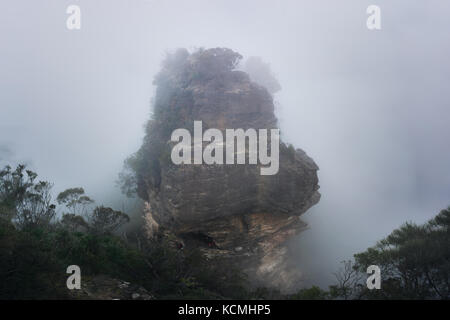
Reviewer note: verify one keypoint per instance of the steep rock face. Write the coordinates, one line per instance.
(228, 210)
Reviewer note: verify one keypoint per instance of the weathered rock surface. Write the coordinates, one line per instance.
(228, 210)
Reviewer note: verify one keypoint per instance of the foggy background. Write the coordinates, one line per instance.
(370, 107)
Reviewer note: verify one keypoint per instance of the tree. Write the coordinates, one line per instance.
(313, 293)
(74, 223)
(348, 281)
(74, 198)
(13, 187)
(24, 201)
(105, 220)
(36, 209)
(127, 177)
(414, 261)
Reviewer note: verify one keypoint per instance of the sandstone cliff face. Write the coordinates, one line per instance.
(228, 210)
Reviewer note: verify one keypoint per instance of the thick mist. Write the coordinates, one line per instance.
(372, 108)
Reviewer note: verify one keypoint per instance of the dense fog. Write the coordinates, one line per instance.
(372, 108)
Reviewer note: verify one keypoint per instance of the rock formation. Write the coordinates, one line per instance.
(228, 210)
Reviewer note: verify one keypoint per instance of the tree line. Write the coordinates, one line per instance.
(36, 246)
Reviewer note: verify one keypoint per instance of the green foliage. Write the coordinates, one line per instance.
(73, 222)
(99, 254)
(127, 177)
(74, 198)
(34, 263)
(414, 261)
(24, 201)
(28, 268)
(263, 293)
(188, 274)
(35, 253)
(106, 220)
(313, 293)
(14, 185)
